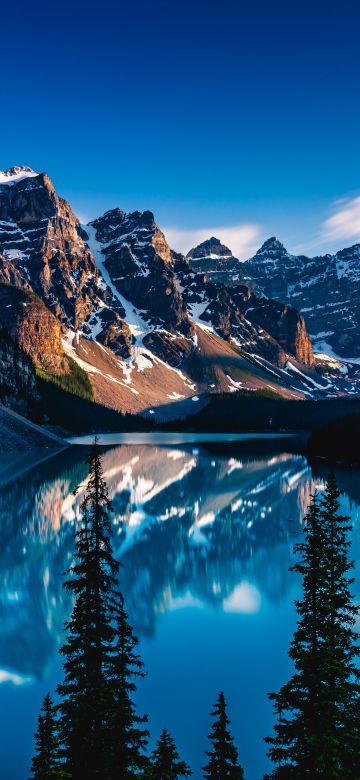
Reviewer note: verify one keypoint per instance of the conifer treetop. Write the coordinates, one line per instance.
(223, 763)
(165, 762)
(46, 762)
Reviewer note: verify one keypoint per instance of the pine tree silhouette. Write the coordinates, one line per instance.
(165, 763)
(341, 695)
(46, 763)
(98, 638)
(223, 758)
(317, 729)
(126, 736)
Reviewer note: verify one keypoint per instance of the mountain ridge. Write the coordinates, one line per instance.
(150, 327)
(324, 288)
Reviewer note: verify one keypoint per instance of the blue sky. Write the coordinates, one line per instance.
(239, 117)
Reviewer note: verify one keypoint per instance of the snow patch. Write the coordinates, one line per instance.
(14, 175)
(325, 348)
(136, 324)
(306, 377)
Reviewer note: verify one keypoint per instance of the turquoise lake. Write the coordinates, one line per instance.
(205, 532)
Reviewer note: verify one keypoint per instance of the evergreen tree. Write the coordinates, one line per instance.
(95, 644)
(127, 738)
(298, 732)
(165, 763)
(317, 729)
(341, 694)
(46, 763)
(223, 758)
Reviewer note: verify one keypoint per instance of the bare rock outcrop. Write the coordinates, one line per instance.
(33, 328)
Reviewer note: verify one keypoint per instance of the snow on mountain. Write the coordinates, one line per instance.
(325, 289)
(221, 299)
(155, 330)
(136, 264)
(18, 173)
(43, 248)
(139, 262)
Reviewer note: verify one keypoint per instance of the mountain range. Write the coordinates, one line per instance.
(152, 331)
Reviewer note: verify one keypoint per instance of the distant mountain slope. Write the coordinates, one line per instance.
(257, 325)
(33, 327)
(325, 289)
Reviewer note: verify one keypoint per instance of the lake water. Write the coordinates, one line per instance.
(205, 532)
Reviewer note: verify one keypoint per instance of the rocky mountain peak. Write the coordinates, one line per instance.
(119, 219)
(272, 245)
(16, 174)
(136, 228)
(211, 248)
(42, 246)
(135, 255)
(216, 260)
(351, 251)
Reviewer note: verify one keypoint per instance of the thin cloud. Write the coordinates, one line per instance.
(340, 229)
(243, 240)
(344, 225)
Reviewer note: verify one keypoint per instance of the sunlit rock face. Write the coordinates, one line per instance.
(283, 322)
(191, 526)
(42, 247)
(325, 289)
(33, 328)
(257, 325)
(40, 236)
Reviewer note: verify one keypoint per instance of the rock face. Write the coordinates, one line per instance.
(326, 290)
(42, 248)
(17, 375)
(137, 265)
(259, 325)
(140, 265)
(33, 328)
(40, 238)
(216, 260)
(284, 323)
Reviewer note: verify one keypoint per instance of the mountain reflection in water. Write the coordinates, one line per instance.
(194, 526)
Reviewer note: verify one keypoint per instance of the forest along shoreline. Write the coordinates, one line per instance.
(329, 429)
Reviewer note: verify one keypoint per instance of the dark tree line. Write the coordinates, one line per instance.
(94, 732)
